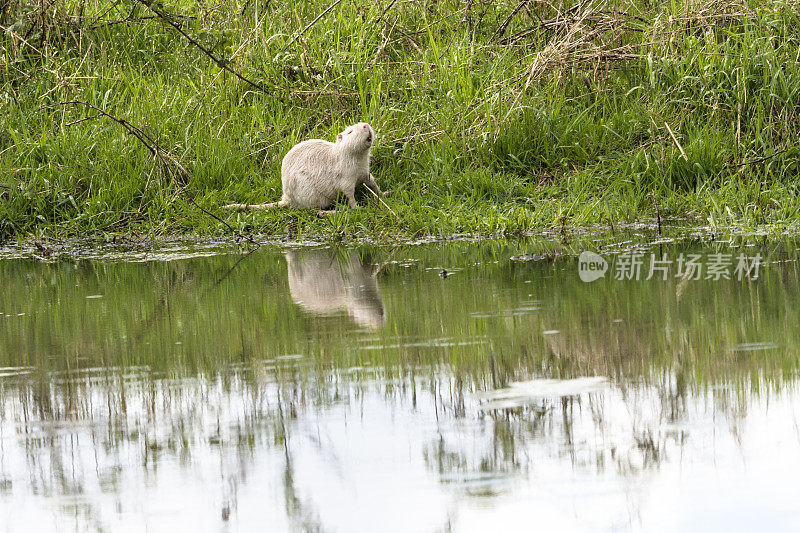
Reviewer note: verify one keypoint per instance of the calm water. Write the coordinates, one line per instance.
(461, 386)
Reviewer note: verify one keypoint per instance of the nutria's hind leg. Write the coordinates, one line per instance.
(325, 212)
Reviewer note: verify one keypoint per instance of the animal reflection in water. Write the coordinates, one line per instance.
(324, 282)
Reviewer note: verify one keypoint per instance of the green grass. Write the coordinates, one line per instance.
(487, 123)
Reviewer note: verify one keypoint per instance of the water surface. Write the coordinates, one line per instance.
(461, 386)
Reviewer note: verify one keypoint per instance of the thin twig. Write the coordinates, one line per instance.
(130, 128)
(387, 8)
(502, 29)
(218, 60)
(154, 149)
(246, 40)
(759, 160)
(90, 117)
(297, 36)
(215, 217)
(149, 143)
(102, 23)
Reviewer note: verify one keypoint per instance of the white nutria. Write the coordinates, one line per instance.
(314, 172)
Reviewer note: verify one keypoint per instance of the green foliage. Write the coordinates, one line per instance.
(488, 120)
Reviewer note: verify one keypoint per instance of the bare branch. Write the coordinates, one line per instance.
(221, 63)
(297, 36)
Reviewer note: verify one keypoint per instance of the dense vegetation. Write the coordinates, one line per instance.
(493, 116)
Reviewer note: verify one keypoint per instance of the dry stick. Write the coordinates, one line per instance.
(246, 41)
(386, 10)
(502, 29)
(112, 5)
(453, 37)
(381, 200)
(685, 158)
(382, 47)
(84, 119)
(759, 160)
(101, 23)
(130, 128)
(21, 38)
(330, 7)
(217, 60)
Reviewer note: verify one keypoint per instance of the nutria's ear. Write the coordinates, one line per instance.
(339, 137)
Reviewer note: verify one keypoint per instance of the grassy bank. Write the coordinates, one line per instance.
(492, 116)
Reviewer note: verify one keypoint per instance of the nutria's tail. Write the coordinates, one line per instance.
(282, 203)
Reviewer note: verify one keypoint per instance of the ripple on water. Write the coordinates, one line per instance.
(445, 342)
(754, 346)
(524, 392)
(503, 313)
(9, 371)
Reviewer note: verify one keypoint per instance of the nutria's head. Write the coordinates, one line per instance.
(357, 138)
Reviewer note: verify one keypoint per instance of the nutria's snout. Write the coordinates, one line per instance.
(369, 133)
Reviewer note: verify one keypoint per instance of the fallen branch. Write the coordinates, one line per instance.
(103, 23)
(215, 217)
(758, 160)
(130, 128)
(146, 140)
(297, 36)
(84, 119)
(221, 63)
(502, 28)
